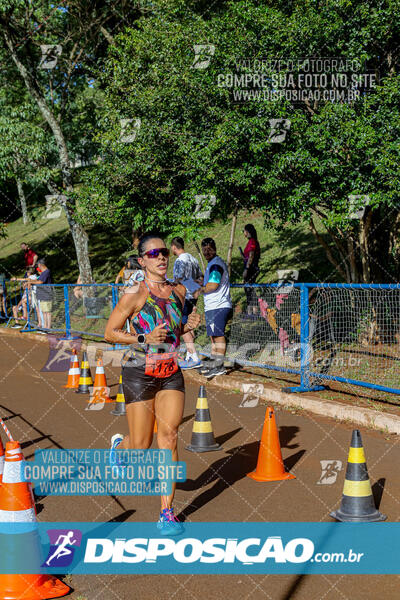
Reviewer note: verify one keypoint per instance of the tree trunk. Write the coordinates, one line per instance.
(328, 252)
(78, 233)
(200, 255)
(22, 200)
(352, 260)
(365, 224)
(231, 240)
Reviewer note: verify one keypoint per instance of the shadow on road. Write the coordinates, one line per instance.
(225, 472)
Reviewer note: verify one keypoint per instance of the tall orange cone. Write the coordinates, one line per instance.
(73, 373)
(155, 427)
(100, 389)
(270, 464)
(16, 507)
(85, 379)
(119, 408)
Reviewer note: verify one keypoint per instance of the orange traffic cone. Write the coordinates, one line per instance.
(155, 427)
(100, 388)
(270, 464)
(73, 373)
(1, 460)
(16, 507)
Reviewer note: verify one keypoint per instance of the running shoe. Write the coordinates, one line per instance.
(214, 372)
(16, 326)
(115, 460)
(168, 524)
(206, 367)
(190, 364)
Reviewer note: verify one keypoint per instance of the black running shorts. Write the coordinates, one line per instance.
(138, 386)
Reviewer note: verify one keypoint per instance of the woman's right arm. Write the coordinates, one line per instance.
(126, 307)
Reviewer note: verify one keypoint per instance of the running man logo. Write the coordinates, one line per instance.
(203, 54)
(50, 54)
(98, 397)
(59, 358)
(61, 553)
(279, 129)
(330, 471)
(129, 130)
(357, 206)
(204, 206)
(54, 204)
(251, 394)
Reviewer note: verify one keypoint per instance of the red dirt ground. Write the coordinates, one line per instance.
(41, 414)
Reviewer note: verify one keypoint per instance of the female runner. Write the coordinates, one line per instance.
(153, 384)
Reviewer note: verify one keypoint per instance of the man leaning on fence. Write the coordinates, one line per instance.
(44, 293)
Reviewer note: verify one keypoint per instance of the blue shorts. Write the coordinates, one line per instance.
(187, 309)
(216, 321)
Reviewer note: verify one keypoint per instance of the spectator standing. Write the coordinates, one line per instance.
(26, 297)
(131, 265)
(44, 292)
(217, 305)
(187, 272)
(3, 296)
(251, 258)
(30, 256)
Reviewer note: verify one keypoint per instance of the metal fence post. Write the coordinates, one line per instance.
(305, 346)
(67, 315)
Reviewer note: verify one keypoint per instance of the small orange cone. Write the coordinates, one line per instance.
(100, 389)
(155, 427)
(73, 373)
(16, 506)
(270, 464)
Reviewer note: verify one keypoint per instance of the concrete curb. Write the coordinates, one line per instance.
(365, 417)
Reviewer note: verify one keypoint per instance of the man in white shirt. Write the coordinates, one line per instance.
(217, 305)
(187, 272)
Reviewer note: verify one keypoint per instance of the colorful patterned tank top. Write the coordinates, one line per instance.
(157, 310)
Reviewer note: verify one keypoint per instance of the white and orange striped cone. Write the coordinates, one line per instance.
(16, 507)
(74, 373)
(100, 389)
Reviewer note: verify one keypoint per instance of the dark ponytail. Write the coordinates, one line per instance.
(146, 237)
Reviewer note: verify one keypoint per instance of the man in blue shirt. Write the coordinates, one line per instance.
(217, 305)
(44, 293)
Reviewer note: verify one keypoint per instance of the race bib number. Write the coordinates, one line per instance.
(161, 365)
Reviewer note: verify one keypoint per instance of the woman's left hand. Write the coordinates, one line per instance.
(193, 319)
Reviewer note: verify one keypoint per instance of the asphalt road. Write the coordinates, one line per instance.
(41, 414)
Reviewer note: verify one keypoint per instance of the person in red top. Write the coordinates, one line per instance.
(251, 258)
(30, 255)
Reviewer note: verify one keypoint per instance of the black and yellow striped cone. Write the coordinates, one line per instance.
(202, 435)
(85, 380)
(119, 408)
(357, 501)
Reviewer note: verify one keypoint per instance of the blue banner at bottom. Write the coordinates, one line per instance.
(202, 548)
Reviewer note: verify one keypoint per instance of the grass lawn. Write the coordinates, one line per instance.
(292, 247)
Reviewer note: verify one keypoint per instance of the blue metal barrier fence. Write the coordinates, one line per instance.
(348, 333)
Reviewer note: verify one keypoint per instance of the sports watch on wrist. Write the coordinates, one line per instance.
(141, 338)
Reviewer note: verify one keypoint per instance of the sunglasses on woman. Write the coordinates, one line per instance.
(156, 252)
